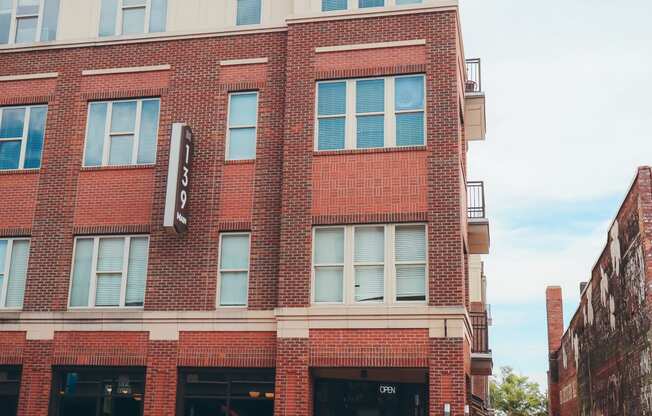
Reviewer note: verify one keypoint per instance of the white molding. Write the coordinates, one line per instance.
(442, 5)
(378, 45)
(25, 77)
(143, 38)
(250, 61)
(126, 70)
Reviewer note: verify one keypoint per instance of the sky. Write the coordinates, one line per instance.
(568, 86)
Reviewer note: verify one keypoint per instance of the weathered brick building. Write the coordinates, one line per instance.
(601, 364)
(240, 207)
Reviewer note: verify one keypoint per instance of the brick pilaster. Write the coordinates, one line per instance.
(36, 379)
(293, 383)
(161, 381)
(447, 382)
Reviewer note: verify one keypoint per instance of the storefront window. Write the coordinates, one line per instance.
(9, 388)
(98, 392)
(226, 392)
(369, 398)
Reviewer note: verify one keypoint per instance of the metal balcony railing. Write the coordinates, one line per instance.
(480, 332)
(473, 75)
(475, 199)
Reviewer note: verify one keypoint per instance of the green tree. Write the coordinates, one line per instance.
(516, 395)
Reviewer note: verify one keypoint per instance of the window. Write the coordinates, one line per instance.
(9, 389)
(369, 264)
(122, 133)
(333, 5)
(22, 130)
(370, 113)
(109, 271)
(27, 21)
(105, 391)
(249, 12)
(14, 254)
(241, 134)
(234, 269)
(132, 17)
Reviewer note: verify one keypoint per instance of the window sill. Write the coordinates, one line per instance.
(240, 162)
(373, 150)
(117, 167)
(20, 171)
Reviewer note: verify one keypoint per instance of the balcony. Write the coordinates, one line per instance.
(481, 358)
(478, 225)
(475, 123)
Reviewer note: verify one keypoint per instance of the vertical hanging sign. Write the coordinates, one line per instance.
(176, 198)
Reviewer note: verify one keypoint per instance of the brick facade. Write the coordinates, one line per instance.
(278, 198)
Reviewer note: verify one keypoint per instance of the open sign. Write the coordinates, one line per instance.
(385, 389)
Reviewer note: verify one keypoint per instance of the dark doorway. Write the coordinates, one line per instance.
(222, 392)
(98, 391)
(369, 396)
(9, 390)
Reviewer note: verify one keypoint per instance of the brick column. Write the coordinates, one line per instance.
(555, 314)
(446, 372)
(293, 382)
(36, 380)
(161, 382)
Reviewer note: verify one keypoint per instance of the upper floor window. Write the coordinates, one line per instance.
(22, 130)
(332, 5)
(369, 263)
(26, 21)
(132, 17)
(14, 254)
(234, 269)
(370, 113)
(249, 12)
(122, 132)
(241, 133)
(109, 271)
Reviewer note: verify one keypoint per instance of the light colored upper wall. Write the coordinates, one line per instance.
(79, 19)
(475, 278)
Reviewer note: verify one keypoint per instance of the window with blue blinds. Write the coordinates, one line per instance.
(331, 114)
(22, 132)
(409, 107)
(234, 269)
(19, 21)
(129, 17)
(243, 120)
(249, 12)
(370, 113)
(370, 3)
(332, 5)
(369, 263)
(14, 255)
(131, 136)
(109, 272)
(402, 2)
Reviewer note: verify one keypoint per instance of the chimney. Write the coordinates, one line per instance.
(555, 313)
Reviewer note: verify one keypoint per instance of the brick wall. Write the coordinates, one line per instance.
(603, 362)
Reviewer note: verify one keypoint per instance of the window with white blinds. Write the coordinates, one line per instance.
(370, 113)
(234, 269)
(369, 264)
(28, 21)
(14, 255)
(132, 17)
(335, 5)
(109, 272)
(122, 132)
(249, 12)
(242, 126)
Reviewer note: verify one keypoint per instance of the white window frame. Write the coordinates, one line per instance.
(265, 9)
(218, 302)
(13, 26)
(390, 263)
(244, 126)
(120, 13)
(354, 5)
(23, 138)
(106, 144)
(92, 287)
(390, 112)
(5, 272)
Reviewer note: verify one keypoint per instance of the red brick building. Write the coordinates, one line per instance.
(240, 207)
(601, 364)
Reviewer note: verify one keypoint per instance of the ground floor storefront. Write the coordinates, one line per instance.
(331, 373)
